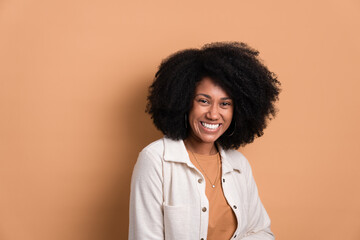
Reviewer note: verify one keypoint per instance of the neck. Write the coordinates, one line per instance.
(200, 147)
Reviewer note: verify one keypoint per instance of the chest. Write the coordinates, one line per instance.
(185, 185)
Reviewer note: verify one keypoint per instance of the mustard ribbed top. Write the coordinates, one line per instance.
(222, 220)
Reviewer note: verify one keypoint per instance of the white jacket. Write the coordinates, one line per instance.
(168, 202)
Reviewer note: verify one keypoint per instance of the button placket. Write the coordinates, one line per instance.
(204, 208)
(201, 188)
(233, 203)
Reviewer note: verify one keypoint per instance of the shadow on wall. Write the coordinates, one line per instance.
(136, 132)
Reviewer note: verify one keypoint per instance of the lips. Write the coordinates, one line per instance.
(210, 126)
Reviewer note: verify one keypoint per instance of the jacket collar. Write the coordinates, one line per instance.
(175, 151)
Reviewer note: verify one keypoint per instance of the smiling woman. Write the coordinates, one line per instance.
(209, 117)
(192, 183)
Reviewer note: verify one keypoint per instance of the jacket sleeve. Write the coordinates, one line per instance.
(259, 221)
(146, 198)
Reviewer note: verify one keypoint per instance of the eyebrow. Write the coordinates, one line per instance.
(208, 96)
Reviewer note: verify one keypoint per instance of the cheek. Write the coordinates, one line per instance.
(195, 113)
(192, 120)
(194, 123)
(229, 118)
(229, 114)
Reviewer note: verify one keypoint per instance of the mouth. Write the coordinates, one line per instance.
(210, 126)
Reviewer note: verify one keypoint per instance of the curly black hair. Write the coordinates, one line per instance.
(236, 68)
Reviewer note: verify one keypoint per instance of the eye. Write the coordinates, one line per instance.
(226, 104)
(202, 100)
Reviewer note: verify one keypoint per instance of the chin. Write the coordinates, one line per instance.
(209, 139)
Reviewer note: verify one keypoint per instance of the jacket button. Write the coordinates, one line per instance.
(200, 180)
(235, 207)
(202, 239)
(223, 179)
(204, 209)
(235, 236)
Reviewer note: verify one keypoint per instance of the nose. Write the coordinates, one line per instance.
(213, 112)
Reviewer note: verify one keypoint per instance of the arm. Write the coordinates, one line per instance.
(146, 198)
(259, 221)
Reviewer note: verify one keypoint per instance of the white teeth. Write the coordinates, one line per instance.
(210, 126)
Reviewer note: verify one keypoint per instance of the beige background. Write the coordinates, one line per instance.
(73, 84)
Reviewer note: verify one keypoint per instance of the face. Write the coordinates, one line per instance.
(211, 113)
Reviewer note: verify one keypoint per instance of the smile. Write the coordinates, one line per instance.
(211, 126)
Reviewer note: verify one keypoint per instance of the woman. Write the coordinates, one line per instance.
(193, 184)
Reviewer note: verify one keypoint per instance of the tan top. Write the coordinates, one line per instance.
(222, 220)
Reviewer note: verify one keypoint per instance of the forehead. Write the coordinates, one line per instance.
(210, 87)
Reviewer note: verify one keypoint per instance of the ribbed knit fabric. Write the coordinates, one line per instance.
(222, 220)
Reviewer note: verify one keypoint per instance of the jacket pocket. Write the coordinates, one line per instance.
(176, 222)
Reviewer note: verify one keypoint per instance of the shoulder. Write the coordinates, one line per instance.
(149, 162)
(152, 153)
(235, 154)
(237, 160)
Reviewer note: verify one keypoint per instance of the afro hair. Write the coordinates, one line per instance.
(232, 65)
